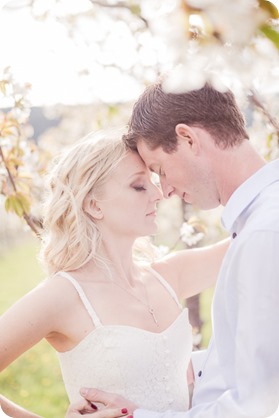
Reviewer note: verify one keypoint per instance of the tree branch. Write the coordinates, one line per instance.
(28, 219)
(120, 5)
(256, 102)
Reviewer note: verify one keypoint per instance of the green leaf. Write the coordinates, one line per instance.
(8, 204)
(24, 202)
(135, 9)
(271, 34)
(18, 203)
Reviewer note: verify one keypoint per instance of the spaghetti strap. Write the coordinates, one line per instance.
(95, 319)
(165, 284)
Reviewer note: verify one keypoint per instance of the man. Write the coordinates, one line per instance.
(197, 143)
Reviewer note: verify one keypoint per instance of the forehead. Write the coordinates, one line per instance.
(151, 157)
(130, 165)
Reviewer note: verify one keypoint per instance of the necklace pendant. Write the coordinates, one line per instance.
(151, 311)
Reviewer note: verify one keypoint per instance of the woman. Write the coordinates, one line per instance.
(114, 319)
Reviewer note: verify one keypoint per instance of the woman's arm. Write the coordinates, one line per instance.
(25, 323)
(15, 411)
(48, 311)
(193, 270)
(29, 320)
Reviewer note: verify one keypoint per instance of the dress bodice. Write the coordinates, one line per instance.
(145, 367)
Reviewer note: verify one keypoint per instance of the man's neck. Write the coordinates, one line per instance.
(235, 166)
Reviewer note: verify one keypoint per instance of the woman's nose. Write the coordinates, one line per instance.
(157, 195)
(167, 190)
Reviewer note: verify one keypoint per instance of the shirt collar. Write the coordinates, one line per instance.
(248, 191)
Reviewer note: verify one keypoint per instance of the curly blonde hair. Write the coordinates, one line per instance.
(71, 237)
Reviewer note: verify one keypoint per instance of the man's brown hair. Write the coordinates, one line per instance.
(156, 114)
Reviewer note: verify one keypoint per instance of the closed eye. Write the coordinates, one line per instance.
(139, 188)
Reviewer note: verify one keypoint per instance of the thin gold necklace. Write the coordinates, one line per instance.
(149, 308)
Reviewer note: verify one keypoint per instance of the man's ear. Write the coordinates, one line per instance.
(91, 207)
(189, 137)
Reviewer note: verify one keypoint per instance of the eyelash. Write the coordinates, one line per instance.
(139, 188)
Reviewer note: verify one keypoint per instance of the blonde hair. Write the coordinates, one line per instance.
(71, 236)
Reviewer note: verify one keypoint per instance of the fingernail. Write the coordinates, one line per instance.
(130, 416)
(124, 410)
(93, 406)
(83, 391)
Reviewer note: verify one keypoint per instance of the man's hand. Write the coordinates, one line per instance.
(114, 406)
(79, 408)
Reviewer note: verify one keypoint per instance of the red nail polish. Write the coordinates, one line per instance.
(130, 416)
(124, 410)
(93, 406)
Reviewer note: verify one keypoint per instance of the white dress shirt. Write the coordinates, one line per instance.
(239, 372)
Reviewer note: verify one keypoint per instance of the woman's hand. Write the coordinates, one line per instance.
(114, 406)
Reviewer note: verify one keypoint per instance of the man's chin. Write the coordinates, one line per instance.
(212, 204)
(205, 205)
(209, 206)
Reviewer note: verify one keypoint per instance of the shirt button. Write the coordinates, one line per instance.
(200, 373)
(234, 235)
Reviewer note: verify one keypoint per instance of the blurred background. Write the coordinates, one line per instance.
(71, 67)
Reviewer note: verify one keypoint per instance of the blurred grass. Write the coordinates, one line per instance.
(34, 380)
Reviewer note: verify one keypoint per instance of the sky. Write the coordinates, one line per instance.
(39, 52)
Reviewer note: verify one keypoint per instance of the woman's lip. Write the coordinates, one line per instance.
(152, 213)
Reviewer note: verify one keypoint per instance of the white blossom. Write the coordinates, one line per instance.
(189, 236)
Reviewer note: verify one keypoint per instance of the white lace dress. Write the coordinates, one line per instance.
(145, 367)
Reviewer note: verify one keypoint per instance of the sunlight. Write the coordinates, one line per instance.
(76, 70)
(41, 52)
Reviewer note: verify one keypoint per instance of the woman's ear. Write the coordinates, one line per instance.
(91, 207)
(189, 137)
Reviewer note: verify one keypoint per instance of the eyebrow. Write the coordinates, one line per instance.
(154, 168)
(139, 173)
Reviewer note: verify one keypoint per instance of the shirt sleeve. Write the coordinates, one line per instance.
(256, 391)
